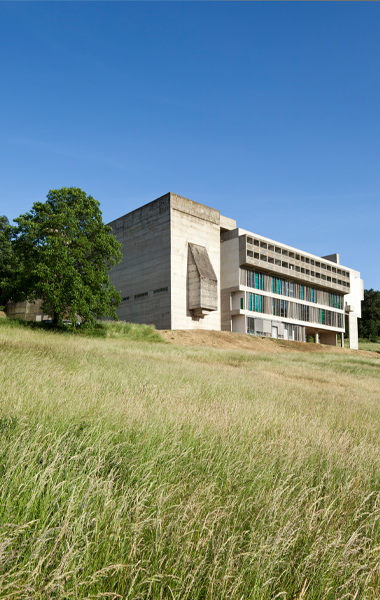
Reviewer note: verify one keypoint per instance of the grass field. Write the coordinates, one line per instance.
(367, 345)
(144, 470)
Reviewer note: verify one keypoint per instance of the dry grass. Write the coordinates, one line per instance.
(139, 470)
(241, 341)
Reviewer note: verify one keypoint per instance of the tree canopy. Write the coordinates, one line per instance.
(369, 324)
(7, 258)
(64, 250)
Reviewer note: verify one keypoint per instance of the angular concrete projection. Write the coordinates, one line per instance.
(332, 257)
(202, 282)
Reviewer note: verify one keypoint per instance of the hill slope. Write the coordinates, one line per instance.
(141, 470)
(241, 341)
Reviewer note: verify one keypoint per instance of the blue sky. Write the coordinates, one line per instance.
(266, 111)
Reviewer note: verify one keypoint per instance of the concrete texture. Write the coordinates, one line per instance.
(202, 282)
(192, 223)
(26, 310)
(143, 277)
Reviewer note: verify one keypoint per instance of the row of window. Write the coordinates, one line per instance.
(293, 310)
(283, 287)
(296, 268)
(285, 331)
(144, 294)
(288, 253)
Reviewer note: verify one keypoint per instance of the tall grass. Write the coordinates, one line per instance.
(138, 470)
(102, 329)
(373, 346)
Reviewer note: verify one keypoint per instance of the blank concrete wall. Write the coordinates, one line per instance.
(229, 253)
(145, 236)
(238, 324)
(327, 337)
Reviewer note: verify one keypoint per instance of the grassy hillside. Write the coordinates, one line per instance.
(370, 346)
(138, 470)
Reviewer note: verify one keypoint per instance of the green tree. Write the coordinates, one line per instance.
(369, 324)
(7, 258)
(64, 250)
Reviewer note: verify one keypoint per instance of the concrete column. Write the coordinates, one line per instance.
(353, 331)
(342, 339)
(316, 337)
(238, 324)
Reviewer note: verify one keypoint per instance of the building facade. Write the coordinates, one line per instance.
(185, 266)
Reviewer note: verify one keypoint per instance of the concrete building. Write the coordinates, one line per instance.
(185, 266)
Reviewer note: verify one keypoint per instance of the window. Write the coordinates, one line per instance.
(250, 253)
(276, 285)
(250, 325)
(124, 299)
(255, 303)
(249, 240)
(255, 280)
(241, 303)
(279, 307)
(283, 287)
(141, 295)
(164, 289)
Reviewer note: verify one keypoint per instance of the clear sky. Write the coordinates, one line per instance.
(268, 112)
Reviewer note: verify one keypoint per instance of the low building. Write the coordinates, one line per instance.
(185, 266)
